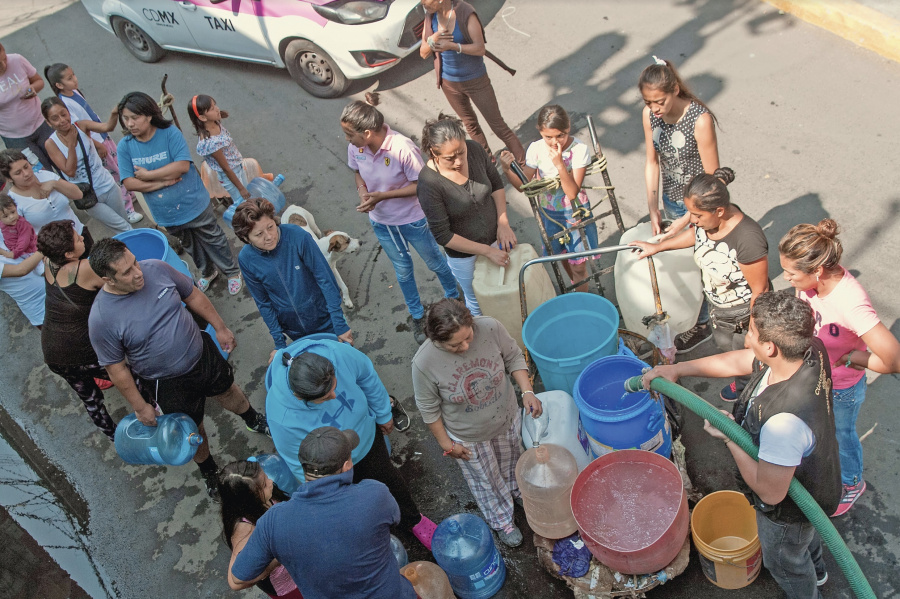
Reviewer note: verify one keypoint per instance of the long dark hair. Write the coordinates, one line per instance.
(198, 106)
(141, 104)
(241, 499)
(665, 78)
(53, 75)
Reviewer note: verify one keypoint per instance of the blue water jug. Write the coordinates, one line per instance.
(278, 470)
(464, 548)
(261, 188)
(399, 552)
(173, 441)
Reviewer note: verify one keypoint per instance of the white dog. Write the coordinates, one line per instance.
(333, 244)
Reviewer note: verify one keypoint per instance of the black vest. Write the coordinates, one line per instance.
(807, 395)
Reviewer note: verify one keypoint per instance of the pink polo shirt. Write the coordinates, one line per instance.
(18, 118)
(842, 317)
(395, 165)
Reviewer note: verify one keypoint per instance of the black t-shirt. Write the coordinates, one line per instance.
(720, 259)
(466, 210)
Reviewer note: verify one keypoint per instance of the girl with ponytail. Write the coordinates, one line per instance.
(849, 327)
(732, 252)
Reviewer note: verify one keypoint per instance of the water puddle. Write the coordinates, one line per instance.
(44, 550)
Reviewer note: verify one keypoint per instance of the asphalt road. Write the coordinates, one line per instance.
(805, 123)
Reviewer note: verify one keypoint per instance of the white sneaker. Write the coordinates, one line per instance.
(134, 217)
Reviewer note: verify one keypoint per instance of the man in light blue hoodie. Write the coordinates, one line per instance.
(322, 382)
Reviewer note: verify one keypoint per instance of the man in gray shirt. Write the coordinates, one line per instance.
(138, 319)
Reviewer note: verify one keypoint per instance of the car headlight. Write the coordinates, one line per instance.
(353, 12)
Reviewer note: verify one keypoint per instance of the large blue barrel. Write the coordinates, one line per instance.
(464, 548)
(567, 333)
(612, 419)
(147, 244)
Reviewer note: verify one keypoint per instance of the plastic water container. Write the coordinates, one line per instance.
(631, 510)
(464, 548)
(211, 179)
(33, 160)
(261, 188)
(277, 470)
(612, 419)
(569, 332)
(497, 288)
(558, 424)
(172, 442)
(147, 244)
(545, 475)
(723, 526)
(678, 278)
(428, 580)
(399, 552)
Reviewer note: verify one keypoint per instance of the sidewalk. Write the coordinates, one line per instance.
(872, 24)
(18, 15)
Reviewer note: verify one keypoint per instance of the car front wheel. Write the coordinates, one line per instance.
(314, 70)
(137, 41)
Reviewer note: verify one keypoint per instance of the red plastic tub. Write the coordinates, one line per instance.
(631, 510)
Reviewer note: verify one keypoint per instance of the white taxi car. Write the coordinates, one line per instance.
(323, 43)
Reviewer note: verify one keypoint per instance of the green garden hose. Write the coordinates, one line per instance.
(800, 495)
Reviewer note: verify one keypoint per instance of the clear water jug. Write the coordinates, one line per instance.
(277, 470)
(173, 441)
(545, 475)
(399, 552)
(497, 288)
(428, 580)
(558, 424)
(261, 188)
(678, 278)
(464, 548)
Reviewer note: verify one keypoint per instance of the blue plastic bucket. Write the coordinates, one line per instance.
(147, 244)
(567, 333)
(612, 419)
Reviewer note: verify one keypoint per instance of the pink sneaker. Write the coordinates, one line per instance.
(848, 498)
(424, 530)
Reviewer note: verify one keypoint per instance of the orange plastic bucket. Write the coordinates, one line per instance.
(723, 526)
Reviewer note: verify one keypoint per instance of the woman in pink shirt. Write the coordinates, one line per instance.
(847, 324)
(21, 122)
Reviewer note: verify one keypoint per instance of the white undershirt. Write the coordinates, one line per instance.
(784, 439)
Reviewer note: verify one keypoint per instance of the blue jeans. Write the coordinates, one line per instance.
(576, 243)
(674, 211)
(396, 239)
(792, 553)
(847, 403)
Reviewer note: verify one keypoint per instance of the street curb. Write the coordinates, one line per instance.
(851, 20)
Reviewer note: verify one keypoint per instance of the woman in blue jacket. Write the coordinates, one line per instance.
(287, 275)
(321, 382)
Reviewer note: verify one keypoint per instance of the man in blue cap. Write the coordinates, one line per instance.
(333, 536)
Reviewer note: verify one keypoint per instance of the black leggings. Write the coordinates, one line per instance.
(81, 379)
(376, 465)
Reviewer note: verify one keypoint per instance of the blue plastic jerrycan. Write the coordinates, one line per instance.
(464, 548)
(277, 469)
(172, 442)
(399, 552)
(261, 188)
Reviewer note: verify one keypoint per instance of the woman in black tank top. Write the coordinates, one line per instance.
(71, 289)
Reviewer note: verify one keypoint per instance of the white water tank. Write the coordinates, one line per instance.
(497, 288)
(677, 275)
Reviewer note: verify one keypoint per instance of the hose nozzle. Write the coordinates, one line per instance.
(634, 384)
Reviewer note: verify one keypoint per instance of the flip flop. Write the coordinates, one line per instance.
(424, 530)
(204, 282)
(235, 284)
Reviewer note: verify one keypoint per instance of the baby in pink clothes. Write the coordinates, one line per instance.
(18, 234)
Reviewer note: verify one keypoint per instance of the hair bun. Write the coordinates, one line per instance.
(373, 98)
(724, 174)
(827, 227)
